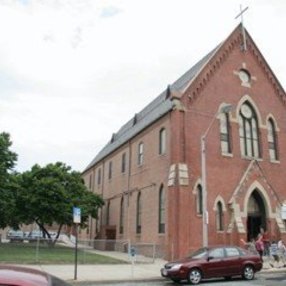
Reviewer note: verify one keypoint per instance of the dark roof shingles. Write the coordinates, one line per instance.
(153, 111)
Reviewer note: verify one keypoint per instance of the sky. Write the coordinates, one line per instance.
(72, 72)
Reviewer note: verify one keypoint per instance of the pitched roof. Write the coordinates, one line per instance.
(164, 103)
(161, 105)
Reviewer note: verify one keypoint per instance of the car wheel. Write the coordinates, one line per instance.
(248, 272)
(195, 276)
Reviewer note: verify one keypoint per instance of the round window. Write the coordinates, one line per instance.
(244, 76)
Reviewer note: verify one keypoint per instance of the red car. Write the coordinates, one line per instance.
(210, 262)
(22, 276)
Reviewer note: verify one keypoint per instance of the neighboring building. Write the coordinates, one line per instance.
(150, 173)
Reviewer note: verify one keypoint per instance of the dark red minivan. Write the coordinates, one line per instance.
(22, 276)
(210, 262)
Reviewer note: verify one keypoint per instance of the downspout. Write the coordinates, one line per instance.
(102, 190)
(128, 186)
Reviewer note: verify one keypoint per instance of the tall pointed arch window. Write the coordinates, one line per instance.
(138, 213)
(225, 133)
(162, 141)
(199, 200)
(272, 140)
(248, 131)
(161, 210)
(121, 218)
(219, 217)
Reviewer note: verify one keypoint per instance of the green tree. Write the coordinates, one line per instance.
(8, 181)
(49, 193)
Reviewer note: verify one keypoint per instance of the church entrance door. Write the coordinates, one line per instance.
(256, 215)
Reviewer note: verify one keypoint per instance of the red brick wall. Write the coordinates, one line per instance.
(224, 173)
(216, 84)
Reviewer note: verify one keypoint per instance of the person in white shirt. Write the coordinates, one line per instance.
(274, 262)
(282, 252)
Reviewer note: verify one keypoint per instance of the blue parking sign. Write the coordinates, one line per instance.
(76, 215)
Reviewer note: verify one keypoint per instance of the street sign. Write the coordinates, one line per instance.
(76, 215)
(76, 220)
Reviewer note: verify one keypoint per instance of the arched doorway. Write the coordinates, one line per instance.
(256, 215)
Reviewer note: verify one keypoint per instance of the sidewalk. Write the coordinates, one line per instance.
(106, 273)
(120, 272)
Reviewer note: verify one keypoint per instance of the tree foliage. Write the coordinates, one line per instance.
(48, 194)
(8, 183)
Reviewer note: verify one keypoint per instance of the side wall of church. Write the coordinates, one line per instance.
(146, 179)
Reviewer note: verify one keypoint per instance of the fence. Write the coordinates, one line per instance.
(89, 252)
(121, 249)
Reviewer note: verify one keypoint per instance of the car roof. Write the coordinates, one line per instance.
(222, 246)
(22, 276)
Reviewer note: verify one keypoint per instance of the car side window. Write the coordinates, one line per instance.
(216, 253)
(231, 252)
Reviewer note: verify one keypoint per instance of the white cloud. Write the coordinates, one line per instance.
(73, 71)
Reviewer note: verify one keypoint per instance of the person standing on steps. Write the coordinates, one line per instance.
(259, 245)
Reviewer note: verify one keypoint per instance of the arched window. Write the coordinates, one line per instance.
(219, 216)
(110, 170)
(161, 210)
(248, 131)
(121, 222)
(272, 140)
(199, 200)
(162, 141)
(99, 176)
(225, 133)
(107, 213)
(90, 181)
(140, 153)
(123, 163)
(138, 214)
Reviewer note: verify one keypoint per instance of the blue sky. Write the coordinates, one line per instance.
(73, 71)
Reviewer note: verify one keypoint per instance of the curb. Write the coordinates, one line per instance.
(106, 282)
(153, 279)
(272, 270)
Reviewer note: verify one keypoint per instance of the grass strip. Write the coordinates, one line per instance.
(31, 253)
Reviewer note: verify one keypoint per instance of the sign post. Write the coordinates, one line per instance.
(76, 220)
(132, 253)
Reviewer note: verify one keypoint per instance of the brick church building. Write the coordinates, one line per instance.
(203, 163)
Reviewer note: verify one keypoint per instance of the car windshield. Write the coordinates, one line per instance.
(199, 253)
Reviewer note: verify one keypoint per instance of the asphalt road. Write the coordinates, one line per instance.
(273, 279)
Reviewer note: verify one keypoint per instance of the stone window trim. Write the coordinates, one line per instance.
(249, 132)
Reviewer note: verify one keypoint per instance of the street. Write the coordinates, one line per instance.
(273, 279)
